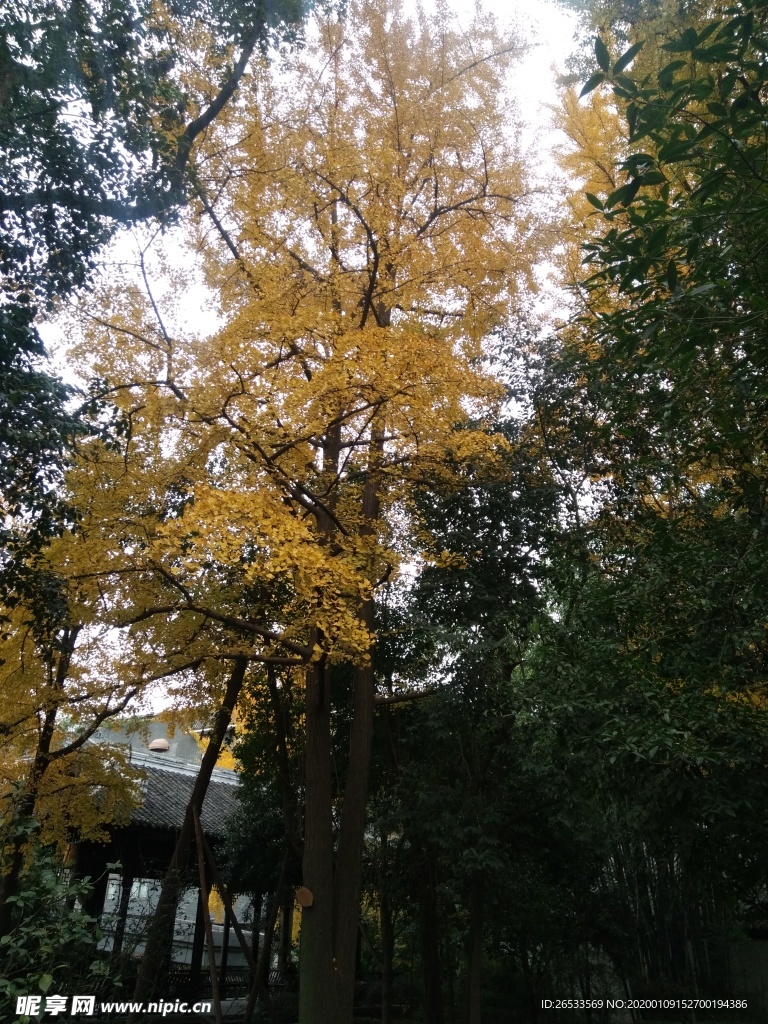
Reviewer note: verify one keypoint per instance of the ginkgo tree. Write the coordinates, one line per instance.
(364, 225)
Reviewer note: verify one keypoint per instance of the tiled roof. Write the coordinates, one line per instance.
(166, 793)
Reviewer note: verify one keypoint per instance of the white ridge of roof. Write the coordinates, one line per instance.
(175, 764)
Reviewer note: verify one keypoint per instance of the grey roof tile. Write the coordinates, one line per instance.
(166, 795)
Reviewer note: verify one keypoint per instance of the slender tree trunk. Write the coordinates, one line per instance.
(205, 888)
(430, 943)
(126, 884)
(349, 860)
(285, 780)
(260, 981)
(386, 925)
(258, 906)
(160, 934)
(475, 950)
(330, 925)
(286, 928)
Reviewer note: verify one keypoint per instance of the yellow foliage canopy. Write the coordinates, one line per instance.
(364, 225)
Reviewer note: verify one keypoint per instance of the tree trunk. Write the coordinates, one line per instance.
(430, 943)
(160, 934)
(286, 929)
(329, 927)
(349, 860)
(126, 884)
(316, 953)
(475, 948)
(386, 925)
(260, 981)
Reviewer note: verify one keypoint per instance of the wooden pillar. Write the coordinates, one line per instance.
(224, 955)
(126, 884)
(93, 864)
(198, 944)
(286, 928)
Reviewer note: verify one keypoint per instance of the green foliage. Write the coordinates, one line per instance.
(52, 945)
(650, 674)
(667, 370)
(267, 816)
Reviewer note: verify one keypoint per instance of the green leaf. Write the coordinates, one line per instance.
(630, 191)
(602, 55)
(666, 75)
(626, 58)
(592, 83)
(702, 288)
(594, 201)
(672, 275)
(686, 43)
(45, 982)
(654, 178)
(632, 114)
(727, 84)
(627, 84)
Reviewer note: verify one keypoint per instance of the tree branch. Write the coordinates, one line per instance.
(194, 128)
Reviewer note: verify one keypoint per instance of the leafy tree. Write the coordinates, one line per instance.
(80, 658)
(98, 116)
(461, 788)
(676, 356)
(658, 645)
(359, 237)
(53, 942)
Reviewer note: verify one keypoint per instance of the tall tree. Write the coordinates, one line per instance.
(658, 390)
(365, 228)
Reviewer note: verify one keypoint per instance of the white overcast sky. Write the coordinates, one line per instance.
(550, 30)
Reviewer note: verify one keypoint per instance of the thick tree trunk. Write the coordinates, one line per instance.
(316, 955)
(160, 934)
(349, 859)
